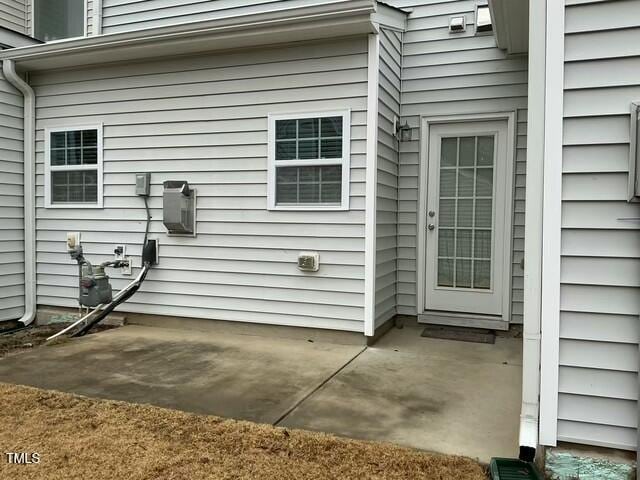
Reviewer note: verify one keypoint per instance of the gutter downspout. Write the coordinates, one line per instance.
(531, 352)
(9, 71)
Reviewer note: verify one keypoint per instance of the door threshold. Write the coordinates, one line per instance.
(491, 322)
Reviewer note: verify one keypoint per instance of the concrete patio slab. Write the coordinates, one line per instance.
(248, 377)
(441, 395)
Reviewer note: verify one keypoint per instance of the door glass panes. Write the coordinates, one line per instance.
(465, 219)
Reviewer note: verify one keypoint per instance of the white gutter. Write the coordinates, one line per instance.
(9, 70)
(334, 10)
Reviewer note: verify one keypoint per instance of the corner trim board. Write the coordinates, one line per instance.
(371, 186)
(552, 223)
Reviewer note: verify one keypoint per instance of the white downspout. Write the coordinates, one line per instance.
(530, 410)
(9, 70)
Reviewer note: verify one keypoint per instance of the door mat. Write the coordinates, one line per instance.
(512, 469)
(461, 334)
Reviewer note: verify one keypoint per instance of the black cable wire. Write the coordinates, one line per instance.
(146, 231)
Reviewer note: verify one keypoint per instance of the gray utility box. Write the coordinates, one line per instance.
(178, 207)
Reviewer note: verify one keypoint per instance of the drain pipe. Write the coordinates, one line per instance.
(533, 244)
(29, 115)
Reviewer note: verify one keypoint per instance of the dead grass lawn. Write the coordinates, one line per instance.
(84, 438)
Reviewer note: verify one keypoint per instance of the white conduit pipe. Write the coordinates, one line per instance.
(29, 115)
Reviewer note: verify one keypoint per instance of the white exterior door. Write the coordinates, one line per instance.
(466, 217)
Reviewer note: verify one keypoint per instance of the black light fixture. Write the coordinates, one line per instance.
(403, 132)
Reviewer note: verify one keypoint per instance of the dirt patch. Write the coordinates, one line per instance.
(34, 336)
(79, 437)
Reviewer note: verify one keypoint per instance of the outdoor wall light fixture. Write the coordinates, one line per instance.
(403, 132)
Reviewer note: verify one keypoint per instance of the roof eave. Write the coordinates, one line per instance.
(11, 39)
(511, 24)
(330, 20)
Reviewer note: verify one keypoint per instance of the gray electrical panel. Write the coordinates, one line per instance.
(143, 184)
(178, 207)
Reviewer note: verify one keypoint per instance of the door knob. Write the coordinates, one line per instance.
(431, 226)
(432, 213)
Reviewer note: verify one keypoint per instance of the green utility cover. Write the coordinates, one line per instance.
(512, 469)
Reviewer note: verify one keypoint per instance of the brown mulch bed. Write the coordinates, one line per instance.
(34, 336)
(86, 438)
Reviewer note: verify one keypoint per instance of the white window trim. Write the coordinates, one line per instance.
(85, 27)
(48, 168)
(345, 161)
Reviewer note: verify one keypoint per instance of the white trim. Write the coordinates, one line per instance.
(344, 161)
(96, 24)
(48, 168)
(85, 25)
(425, 124)
(552, 223)
(371, 186)
(634, 154)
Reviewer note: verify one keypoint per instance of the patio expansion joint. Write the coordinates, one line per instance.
(291, 409)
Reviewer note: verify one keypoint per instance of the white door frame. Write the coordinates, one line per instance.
(425, 124)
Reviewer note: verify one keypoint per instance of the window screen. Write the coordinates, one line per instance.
(57, 19)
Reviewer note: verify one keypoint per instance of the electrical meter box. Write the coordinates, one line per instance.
(143, 184)
(179, 208)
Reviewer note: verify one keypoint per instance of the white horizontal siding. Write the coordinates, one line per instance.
(600, 264)
(124, 15)
(13, 15)
(11, 203)
(387, 165)
(29, 17)
(204, 119)
(446, 74)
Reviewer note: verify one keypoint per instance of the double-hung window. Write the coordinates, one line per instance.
(309, 161)
(58, 19)
(73, 167)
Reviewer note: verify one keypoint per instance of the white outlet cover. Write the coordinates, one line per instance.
(126, 270)
(73, 240)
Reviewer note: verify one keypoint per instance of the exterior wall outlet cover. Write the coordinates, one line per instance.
(73, 240)
(309, 261)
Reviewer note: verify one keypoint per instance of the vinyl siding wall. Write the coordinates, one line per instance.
(124, 15)
(387, 184)
(11, 203)
(204, 120)
(13, 15)
(446, 74)
(600, 265)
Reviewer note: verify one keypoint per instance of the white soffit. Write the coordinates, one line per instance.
(511, 24)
